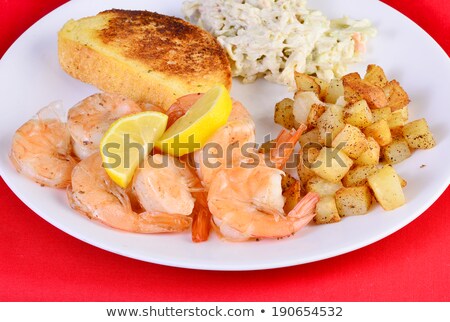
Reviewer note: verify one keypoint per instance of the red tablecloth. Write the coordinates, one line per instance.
(40, 262)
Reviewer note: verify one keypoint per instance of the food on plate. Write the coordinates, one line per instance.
(89, 119)
(273, 39)
(143, 55)
(357, 128)
(94, 194)
(126, 143)
(41, 149)
(192, 130)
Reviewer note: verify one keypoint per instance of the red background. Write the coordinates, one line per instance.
(41, 263)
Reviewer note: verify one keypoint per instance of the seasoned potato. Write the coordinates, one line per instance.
(330, 123)
(311, 139)
(334, 91)
(331, 164)
(267, 146)
(306, 83)
(307, 160)
(375, 76)
(323, 87)
(284, 115)
(352, 141)
(418, 135)
(396, 96)
(381, 114)
(396, 151)
(315, 112)
(357, 176)
(353, 201)
(287, 181)
(326, 211)
(386, 186)
(322, 186)
(358, 114)
(359, 89)
(351, 77)
(380, 132)
(372, 155)
(292, 196)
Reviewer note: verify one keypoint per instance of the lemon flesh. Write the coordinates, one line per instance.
(128, 141)
(191, 131)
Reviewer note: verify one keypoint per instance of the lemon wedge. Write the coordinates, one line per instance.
(128, 141)
(191, 131)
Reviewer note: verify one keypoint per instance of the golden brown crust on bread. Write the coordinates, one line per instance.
(143, 55)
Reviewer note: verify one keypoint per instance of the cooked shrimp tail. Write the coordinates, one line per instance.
(285, 144)
(304, 210)
(180, 107)
(201, 218)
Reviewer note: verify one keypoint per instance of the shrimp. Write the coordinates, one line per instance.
(94, 194)
(41, 149)
(90, 119)
(247, 201)
(360, 46)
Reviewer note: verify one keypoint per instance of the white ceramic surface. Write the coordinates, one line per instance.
(30, 78)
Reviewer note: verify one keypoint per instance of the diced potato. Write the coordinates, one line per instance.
(284, 115)
(396, 95)
(353, 201)
(307, 160)
(292, 196)
(302, 105)
(287, 181)
(375, 75)
(322, 186)
(357, 176)
(381, 114)
(323, 84)
(332, 164)
(311, 139)
(358, 114)
(306, 83)
(387, 188)
(334, 91)
(397, 119)
(418, 135)
(380, 132)
(351, 77)
(358, 89)
(326, 211)
(267, 146)
(396, 151)
(372, 155)
(315, 112)
(331, 123)
(352, 141)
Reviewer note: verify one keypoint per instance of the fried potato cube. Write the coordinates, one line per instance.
(315, 112)
(322, 186)
(306, 83)
(397, 98)
(357, 176)
(330, 123)
(375, 75)
(287, 181)
(397, 120)
(386, 186)
(351, 77)
(359, 89)
(358, 114)
(267, 146)
(311, 139)
(292, 196)
(331, 164)
(372, 154)
(352, 141)
(305, 164)
(353, 201)
(418, 135)
(334, 91)
(381, 114)
(284, 115)
(396, 151)
(326, 211)
(323, 84)
(380, 132)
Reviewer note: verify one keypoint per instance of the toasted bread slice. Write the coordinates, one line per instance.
(143, 55)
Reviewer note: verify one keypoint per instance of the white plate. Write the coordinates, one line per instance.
(30, 78)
